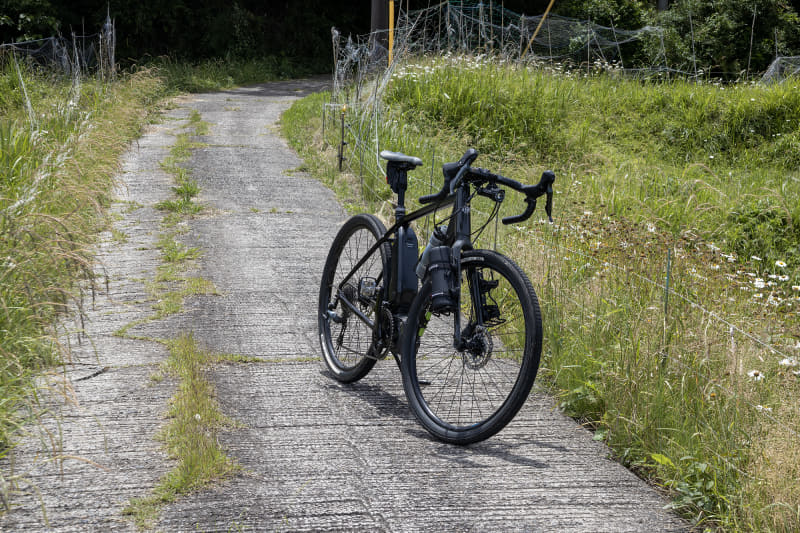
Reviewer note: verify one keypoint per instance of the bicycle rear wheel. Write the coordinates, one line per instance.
(345, 338)
(468, 394)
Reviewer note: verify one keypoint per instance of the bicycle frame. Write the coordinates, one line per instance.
(458, 237)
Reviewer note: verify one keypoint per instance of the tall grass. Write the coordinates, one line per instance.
(59, 143)
(670, 283)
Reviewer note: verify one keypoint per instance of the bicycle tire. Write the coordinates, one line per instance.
(347, 344)
(462, 397)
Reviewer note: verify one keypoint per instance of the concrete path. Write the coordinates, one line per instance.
(316, 455)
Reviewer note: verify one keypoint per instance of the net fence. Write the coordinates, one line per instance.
(670, 321)
(781, 68)
(74, 56)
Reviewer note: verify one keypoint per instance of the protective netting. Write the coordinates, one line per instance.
(479, 28)
(781, 68)
(468, 36)
(77, 55)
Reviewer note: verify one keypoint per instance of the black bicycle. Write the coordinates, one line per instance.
(468, 338)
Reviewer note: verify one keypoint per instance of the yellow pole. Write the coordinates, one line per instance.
(546, 11)
(391, 29)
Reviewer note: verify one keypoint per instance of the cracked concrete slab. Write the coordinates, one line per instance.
(316, 455)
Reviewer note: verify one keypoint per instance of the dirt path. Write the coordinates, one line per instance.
(316, 455)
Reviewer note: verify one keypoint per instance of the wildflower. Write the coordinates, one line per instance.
(783, 277)
(758, 283)
(197, 416)
(796, 287)
(762, 409)
(755, 258)
(711, 157)
(781, 264)
(788, 361)
(756, 375)
(714, 267)
(446, 96)
(651, 227)
(758, 295)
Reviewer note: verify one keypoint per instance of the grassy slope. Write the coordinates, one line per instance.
(655, 182)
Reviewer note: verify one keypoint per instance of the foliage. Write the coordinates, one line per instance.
(24, 20)
(722, 34)
(621, 14)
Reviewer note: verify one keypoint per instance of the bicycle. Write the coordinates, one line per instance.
(463, 324)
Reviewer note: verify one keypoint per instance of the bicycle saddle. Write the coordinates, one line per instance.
(398, 157)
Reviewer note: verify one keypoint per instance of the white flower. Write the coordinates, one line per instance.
(796, 287)
(756, 375)
(783, 277)
(788, 361)
(755, 258)
(762, 409)
(780, 263)
(759, 283)
(446, 96)
(197, 416)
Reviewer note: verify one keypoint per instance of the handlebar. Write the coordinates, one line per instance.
(455, 173)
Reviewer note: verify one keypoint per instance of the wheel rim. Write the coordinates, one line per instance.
(348, 338)
(461, 389)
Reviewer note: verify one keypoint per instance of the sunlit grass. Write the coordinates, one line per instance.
(670, 283)
(190, 437)
(59, 146)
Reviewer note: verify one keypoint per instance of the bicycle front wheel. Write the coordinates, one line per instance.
(467, 393)
(345, 337)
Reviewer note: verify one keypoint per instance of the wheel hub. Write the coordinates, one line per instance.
(478, 348)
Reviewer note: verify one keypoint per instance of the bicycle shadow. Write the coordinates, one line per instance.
(516, 449)
(382, 402)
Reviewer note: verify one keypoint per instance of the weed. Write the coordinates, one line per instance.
(190, 437)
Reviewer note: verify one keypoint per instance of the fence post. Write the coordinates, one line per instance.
(665, 351)
(342, 143)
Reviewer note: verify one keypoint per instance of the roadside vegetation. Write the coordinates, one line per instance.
(60, 143)
(670, 281)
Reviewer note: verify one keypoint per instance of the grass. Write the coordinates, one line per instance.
(217, 74)
(60, 144)
(694, 187)
(58, 151)
(190, 436)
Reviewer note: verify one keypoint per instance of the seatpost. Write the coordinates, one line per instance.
(400, 210)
